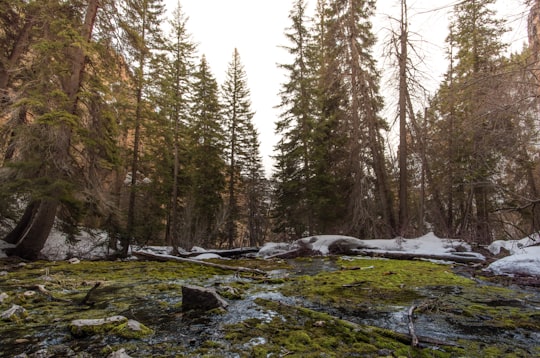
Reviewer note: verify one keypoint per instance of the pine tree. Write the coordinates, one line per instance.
(140, 21)
(256, 189)
(175, 71)
(294, 207)
(202, 209)
(465, 103)
(52, 96)
(237, 117)
(350, 32)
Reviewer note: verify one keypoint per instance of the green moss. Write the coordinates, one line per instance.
(102, 328)
(125, 330)
(300, 332)
(388, 282)
(151, 292)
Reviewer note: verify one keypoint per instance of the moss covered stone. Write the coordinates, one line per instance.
(132, 330)
(90, 327)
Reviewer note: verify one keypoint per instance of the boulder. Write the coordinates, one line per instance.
(89, 327)
(201, 299)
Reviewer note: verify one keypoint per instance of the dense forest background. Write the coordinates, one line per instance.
(112, 121)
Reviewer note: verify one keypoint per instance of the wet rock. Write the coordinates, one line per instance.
(3, 296)
(89, 327)
(14, 314)
(132, 330)
(119, 354)
(117, 325)
(29, 294)
(201, 299)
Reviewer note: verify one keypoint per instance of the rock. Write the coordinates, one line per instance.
(74, 261)
(132, 330)
(29, 294)
(14, 314)
(4, 273)
(119, 354)
(117, 325)
(89, 327)
(3, 296)
(200, 298)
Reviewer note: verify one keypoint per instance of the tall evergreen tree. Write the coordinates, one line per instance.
(294, 207)
(256, 190)
(175, 71)
(202, 211)
(350, 31)
(52, 95)
(237, 117)
(141, 24)
(466, 104)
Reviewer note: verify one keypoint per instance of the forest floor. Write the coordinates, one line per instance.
(309, 307)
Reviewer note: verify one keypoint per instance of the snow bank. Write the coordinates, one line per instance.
(526, 261)
(87, 245)
(513, 246)
(274, 248)
(428, 244)
(206, 256)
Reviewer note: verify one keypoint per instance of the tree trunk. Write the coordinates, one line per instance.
(15, 235)
(16, 53)
(33, 236)
(403, 180)
(483, 230)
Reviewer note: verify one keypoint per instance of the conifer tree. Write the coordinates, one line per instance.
(175, 71)
(52, 94)
(465, 103)
(294, 206)
(202, 209)
(351, 33)
(256, 189)
(237, 117)
(140, 22)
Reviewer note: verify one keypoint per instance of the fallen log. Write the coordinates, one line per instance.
(223, 253)
(459, 257)
(291, 254)
(158, 257)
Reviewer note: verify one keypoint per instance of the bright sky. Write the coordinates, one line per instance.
(256, 28)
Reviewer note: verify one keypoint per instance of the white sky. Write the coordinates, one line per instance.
(256, 28)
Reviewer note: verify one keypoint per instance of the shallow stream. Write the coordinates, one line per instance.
(478, 318)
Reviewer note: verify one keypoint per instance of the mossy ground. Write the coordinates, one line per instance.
(150, 292)
(300, 332)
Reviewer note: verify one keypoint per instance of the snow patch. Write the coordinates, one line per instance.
(206, 257)
(513, 246)
(323, 244)
(87, 245)
(524, 262)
